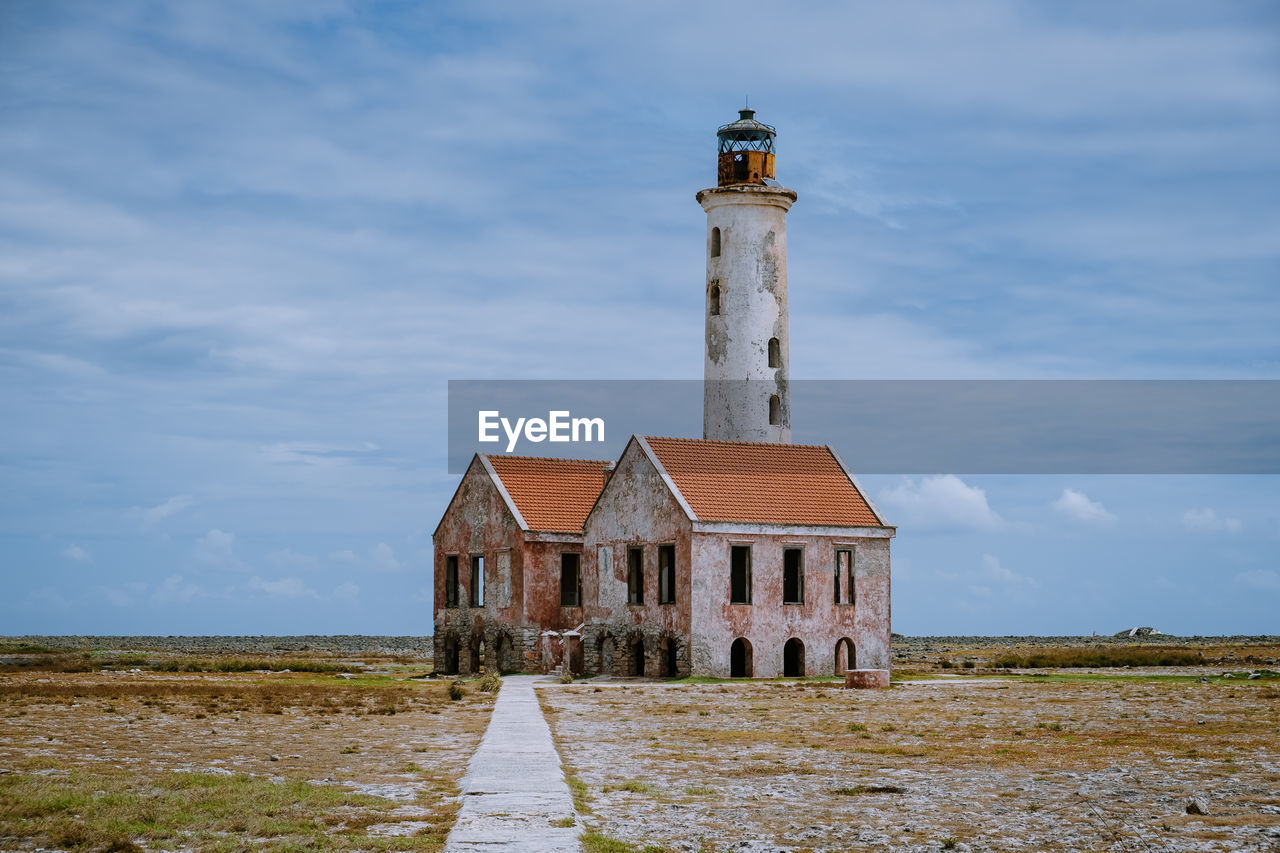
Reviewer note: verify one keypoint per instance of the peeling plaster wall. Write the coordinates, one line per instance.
(767, 623)
(522, 582)
(751, 272)
(635, 509)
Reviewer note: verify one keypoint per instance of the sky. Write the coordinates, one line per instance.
(244, 246)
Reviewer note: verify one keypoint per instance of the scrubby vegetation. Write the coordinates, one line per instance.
(1101, 656)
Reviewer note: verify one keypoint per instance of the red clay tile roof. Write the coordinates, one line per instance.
(551, 494)
(766, 483)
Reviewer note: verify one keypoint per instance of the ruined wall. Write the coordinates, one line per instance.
(751, 275)
(872, 614)
(635, 510)
(767, 623)
(478, 521)
(542, 586)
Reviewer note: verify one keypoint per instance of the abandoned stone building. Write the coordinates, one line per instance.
(735, 555)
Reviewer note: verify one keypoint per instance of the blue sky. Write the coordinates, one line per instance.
(243, 247)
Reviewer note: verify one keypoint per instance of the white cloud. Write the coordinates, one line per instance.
(381, 558)
(993, 571)
(943, 501)
(76, 553)
(1266, 579)
(1078, 507)
(152, 515)
(175, 590)
(47, 598)
(123, 596)
(1206, 520)
(282, 588)
(217, 548)
(346, 592)
(290, 558)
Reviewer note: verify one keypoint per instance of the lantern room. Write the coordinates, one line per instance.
(746, 150)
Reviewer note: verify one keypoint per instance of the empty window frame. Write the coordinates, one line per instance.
(451, 580)
(793, 576)
(740, 574)
(775, 410)
(570, 579)
(666, 574)
(714, 300)
(846, 591)
(775, 353)
(715, 242)
(635, 576)
(476, 593)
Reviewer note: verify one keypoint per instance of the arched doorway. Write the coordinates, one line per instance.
(670, 659)
(740, 664)
(846, 656)
(637, 657)
(504, 654)
(450, 655)
(793, 658)
(605, 653)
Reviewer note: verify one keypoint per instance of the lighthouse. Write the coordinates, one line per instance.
(746, 394)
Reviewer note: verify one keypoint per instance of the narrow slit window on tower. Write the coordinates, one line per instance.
(715, 242)
(635, 576)
(792, 576)
(570, 579)
(477, 580)
(775, 410)
(775, 353)
(715, 300)
(666, 574)
(740, 574)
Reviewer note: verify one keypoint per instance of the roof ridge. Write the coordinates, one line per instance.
(492, 456)
(727, 441)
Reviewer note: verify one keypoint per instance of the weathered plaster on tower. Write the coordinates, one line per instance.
(746, 396)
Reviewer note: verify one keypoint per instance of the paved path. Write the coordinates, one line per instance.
(514, 788)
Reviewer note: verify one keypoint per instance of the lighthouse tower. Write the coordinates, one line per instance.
(746, 396)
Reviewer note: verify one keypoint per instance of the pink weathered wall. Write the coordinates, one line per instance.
(767, 623)
(636, 510)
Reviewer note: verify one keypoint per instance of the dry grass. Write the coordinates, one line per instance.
(231, 761)
(1086, 764)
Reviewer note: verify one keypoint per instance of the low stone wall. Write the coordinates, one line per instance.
(866, 679)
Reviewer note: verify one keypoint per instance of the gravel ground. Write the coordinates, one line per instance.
(979, 764)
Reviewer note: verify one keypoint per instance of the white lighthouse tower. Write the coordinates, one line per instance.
(746, 396)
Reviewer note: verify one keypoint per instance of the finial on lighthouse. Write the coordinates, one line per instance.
(745, 149)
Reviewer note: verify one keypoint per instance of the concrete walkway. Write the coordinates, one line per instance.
(514, 791)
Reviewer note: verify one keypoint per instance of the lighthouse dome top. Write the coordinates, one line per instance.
(746, 134)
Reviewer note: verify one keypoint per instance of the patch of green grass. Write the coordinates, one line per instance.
(581, 793)
(84, 810)
(699, 791)
(594, 841)
(635, 786)
(564, 822)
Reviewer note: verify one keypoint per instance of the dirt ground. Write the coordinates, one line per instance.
(104, 749)
(1058, 762)
(205, 761)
